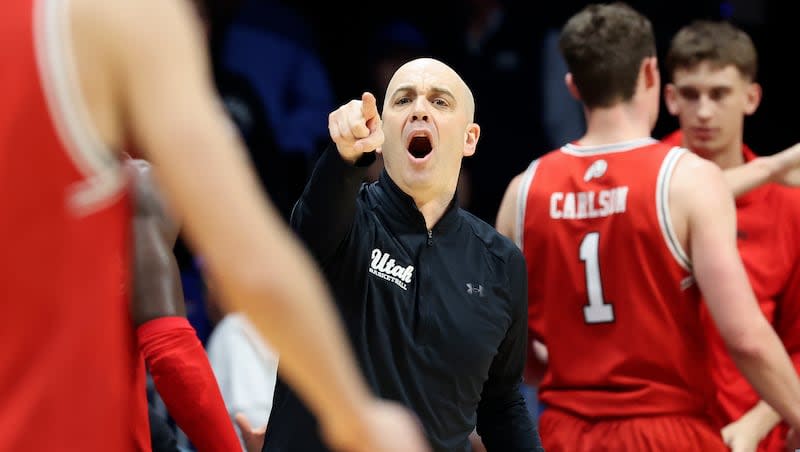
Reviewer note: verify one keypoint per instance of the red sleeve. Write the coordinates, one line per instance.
(184, 380)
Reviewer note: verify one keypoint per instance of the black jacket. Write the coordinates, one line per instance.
(438, 319)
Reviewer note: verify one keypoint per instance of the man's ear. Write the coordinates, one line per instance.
(652, 77)
(471, 139)
(671, 99)
(753, 99)
(573, 90)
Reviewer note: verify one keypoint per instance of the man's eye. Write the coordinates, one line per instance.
(689, 94)
(719, 94)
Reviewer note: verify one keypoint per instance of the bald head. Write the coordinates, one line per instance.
(435, 75)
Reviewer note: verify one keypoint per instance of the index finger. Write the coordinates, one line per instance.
(369, 106)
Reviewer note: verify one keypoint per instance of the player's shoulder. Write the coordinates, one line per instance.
(698, 185)
(694, 168)
(131, 24)
(660, 150)
(104, 15)
(551, 155)
(513, 187)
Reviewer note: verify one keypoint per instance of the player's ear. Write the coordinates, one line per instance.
(573, 90)
(752, 98)
(652, 78)
(671, 99)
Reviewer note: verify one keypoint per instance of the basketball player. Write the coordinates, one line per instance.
(166, 341)
(80, 81)
(622, 233)
(713, 66)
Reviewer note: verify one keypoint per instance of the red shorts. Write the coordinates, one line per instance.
(562, 432)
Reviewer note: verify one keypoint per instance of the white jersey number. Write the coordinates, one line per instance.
(597, 311)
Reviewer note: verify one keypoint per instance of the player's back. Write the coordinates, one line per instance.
(65, 364)
(611, 293)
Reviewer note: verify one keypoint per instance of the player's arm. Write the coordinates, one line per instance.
(698, 187)
(746, 432)
(506, 222)
(159, 62)
(503, 421)
(157, 289)
(782, 167)
(169, 344)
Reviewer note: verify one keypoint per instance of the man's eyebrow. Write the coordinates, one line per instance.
(435, 90)
(444, 91)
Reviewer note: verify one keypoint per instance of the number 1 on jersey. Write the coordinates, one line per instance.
(597, 311)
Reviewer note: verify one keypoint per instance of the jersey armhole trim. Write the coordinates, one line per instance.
(522, 201)
(104, 179)
(662, 207)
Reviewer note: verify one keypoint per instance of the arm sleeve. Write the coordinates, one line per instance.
(184, 380)
(324, 214)
(503, 420)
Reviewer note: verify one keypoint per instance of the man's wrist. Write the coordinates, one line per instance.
(348, 425)
(763, 417)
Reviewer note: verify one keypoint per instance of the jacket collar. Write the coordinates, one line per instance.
(402, 212)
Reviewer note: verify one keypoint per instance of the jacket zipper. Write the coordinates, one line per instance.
(430, 237)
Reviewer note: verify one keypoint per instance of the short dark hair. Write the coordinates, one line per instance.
(717, 42)
(604, 46)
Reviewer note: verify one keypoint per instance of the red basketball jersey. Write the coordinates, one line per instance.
(768, 236)
(610, 288)
(67, 354)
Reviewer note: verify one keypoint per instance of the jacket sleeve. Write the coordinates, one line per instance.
(503, 420)
(324, 214)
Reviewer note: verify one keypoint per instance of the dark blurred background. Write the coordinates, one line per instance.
(282, 65)
(503, 48)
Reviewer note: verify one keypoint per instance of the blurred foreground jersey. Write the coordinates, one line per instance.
(65, 359)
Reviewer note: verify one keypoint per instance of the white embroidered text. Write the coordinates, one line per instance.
(384, 266)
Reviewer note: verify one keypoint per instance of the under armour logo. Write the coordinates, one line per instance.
(597, 169)
(475, 289)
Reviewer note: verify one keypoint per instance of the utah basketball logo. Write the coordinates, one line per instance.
(384, 266)
(597, 169)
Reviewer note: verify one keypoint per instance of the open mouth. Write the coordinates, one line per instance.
(420, 147)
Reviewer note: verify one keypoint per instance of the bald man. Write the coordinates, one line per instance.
(434, 299)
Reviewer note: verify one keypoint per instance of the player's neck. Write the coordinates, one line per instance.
(614, 125)
(727, 157)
